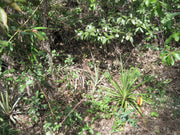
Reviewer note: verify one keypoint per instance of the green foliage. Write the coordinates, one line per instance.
(122, 91)
(154, 114)
(69, 60)
(167, 55)
(174, 106)
(98, 106)
(73, 118)
(86, 129)
(159, 90)
(174, 36)
(101, 22)
(19, 83)
(51, 127)
(116, 25)
(36, 104)
(121, 118)
(6, 129)
(151, 18)
(6, 109)
(3, 44)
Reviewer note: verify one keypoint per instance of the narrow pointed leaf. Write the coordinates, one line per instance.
(22, 1)
(12, 119)
(3, 18)
(42, 28)
(3, 103)
(7, 103)
(15, 103)
(15, 6)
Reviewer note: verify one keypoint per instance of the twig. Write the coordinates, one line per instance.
(47, 100)
(145, 128)
(72, 111)
(25, 22)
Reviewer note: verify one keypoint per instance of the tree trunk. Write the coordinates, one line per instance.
(45, 44)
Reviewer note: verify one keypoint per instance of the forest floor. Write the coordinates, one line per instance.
(165, 123)
(164, 89)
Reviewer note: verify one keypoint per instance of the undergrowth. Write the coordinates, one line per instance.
(44, 73)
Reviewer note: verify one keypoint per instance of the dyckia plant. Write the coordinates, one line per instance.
(122, 91)
(6, 110)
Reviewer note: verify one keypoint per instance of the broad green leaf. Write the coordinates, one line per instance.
(168, 40)
(3, 18)
(164, 57)
(15, 6)
(176, 55)
(133, 21)
(22, 87)
(5, 72)
(176, 36)
(147, 2)
(12, 70)
(104, 40)
(141, 30)
(167, 47)
(154, 114)
(3, 43)
(153, 1)
(131, 40)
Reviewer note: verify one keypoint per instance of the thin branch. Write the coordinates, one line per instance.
(19, 29)
(72, 110)
(47, 100)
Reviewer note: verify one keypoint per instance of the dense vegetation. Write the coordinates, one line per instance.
(67, 64)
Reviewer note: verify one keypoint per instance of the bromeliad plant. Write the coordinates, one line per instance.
(122, 92)
(6, 110)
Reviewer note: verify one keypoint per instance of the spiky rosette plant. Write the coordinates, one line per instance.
(122, 91)
(6, 109)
